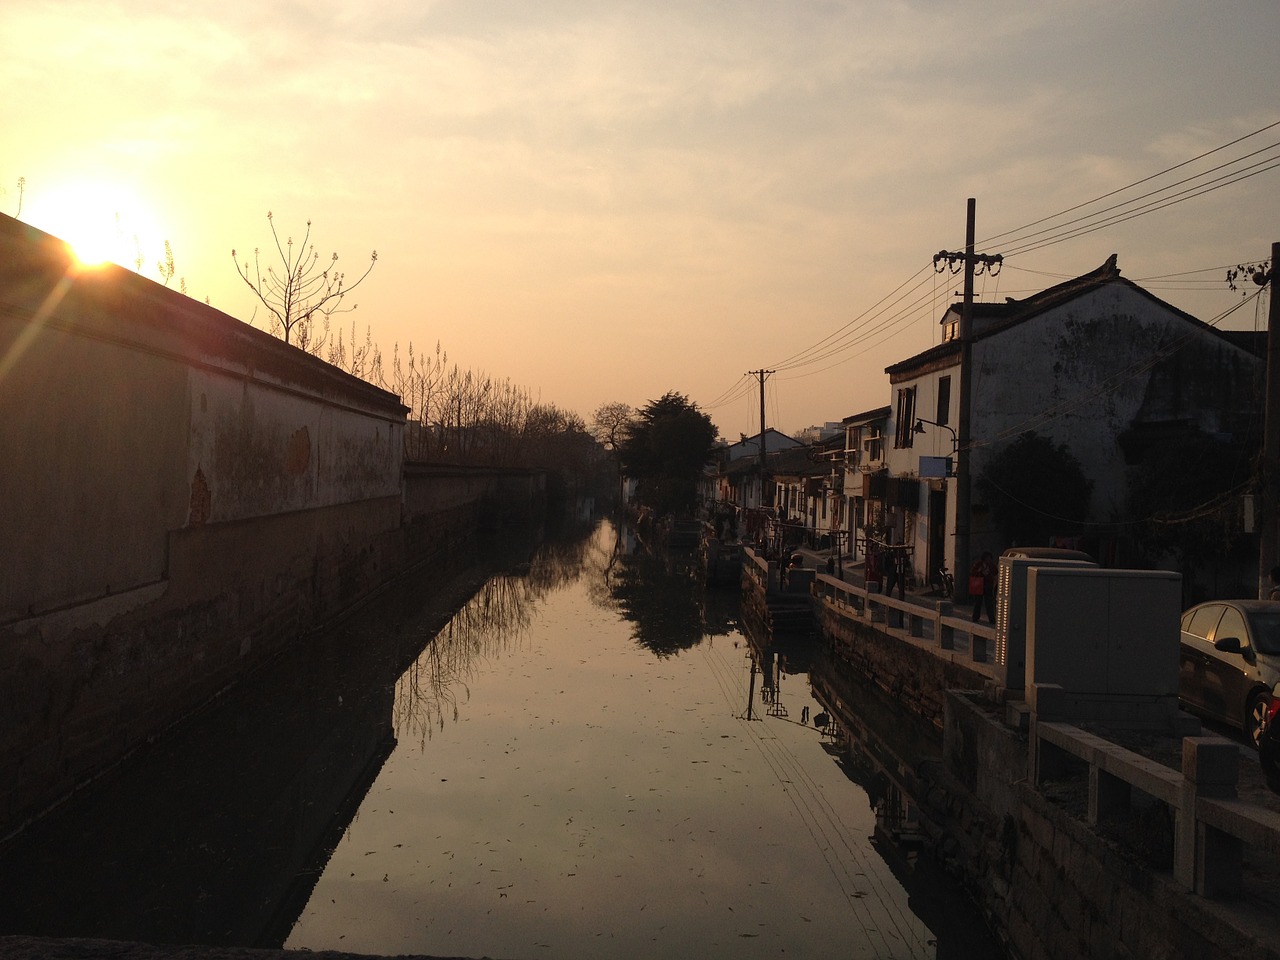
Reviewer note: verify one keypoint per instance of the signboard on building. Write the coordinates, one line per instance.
(932, 468)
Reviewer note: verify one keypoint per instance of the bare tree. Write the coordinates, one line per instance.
(609, 423)
(300, 287)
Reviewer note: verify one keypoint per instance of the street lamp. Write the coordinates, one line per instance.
(919, 428)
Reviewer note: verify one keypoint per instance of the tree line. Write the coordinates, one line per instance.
(457, 415)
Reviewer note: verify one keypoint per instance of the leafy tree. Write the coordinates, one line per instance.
(1035, 489)
(664, 449)
(300, 287)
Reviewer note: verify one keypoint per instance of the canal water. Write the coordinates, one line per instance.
(588, 757)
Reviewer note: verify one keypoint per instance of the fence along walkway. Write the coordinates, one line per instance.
(1212, 825)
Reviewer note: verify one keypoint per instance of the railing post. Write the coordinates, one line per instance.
(942, 635)
(977, 646)
(1205, 860)
(946, 632)
(1107, 795)
(915, 624)
(1047, 760)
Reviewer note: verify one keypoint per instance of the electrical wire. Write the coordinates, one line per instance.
(1143, 210)
(1136, 183)
(854, 331)
(894, 313)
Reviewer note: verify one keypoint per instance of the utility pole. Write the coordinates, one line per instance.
(1269, 529)
(965, 335)
(766, 500)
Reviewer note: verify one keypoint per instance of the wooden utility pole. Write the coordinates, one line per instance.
(766, 500)
(965, 335)
(963, 504)
(1269, 529)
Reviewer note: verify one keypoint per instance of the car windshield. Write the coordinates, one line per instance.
(1266, 632)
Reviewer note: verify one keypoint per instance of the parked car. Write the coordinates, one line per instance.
(1269, 745)
(1230, 661)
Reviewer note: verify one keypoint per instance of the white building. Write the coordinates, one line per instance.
(1086, 363)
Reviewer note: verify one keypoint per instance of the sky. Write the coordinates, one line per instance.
(607, 201)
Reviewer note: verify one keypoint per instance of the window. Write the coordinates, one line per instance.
(944, 400)
(874, 444)
(1266, 632)
(950, 327)
(1204, 620)
(1232, 625)
(906, 417)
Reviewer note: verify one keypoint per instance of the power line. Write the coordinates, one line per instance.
(894, 312)
(1136, 183)
(1141, 211)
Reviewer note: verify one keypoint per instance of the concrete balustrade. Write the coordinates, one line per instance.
(1211, 826)
(935, 627)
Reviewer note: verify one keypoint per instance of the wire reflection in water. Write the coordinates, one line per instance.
(838, 833)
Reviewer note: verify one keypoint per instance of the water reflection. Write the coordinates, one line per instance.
(216, 833)
(491, 623)
(586, 757)
(656, 593)
(608, 789)
(890, 754)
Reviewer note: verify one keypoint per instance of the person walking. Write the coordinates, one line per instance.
(982, 586)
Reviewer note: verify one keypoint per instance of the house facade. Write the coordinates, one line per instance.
(1095, 364)
(863, 480)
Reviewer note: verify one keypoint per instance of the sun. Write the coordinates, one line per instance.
(101, 222)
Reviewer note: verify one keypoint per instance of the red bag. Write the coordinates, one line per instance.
(977, 584)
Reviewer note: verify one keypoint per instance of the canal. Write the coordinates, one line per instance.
(580, 755)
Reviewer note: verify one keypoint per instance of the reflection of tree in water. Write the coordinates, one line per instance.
(496, 619)
(654, 591)
(720, 610)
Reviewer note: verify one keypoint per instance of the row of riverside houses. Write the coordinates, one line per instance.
(1128, 384)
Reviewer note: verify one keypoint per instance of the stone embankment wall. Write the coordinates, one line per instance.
(910, 673)
(1051, 885)
(1054, 886)
(182, 495)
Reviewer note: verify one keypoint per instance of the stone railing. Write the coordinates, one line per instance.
(935, 627)
(1211, 825)
(763, 572)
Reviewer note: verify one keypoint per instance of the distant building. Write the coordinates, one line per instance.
(750, 446)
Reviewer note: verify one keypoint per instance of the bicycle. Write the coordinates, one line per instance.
(946, 582)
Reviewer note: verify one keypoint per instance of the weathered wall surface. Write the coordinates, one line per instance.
(915, 677)
(1050, 374)
(1051, 886)
(1056, 888)
(181, 496)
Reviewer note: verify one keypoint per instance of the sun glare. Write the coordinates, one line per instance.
(100, 222)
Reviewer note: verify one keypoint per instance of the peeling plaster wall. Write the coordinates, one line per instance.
(1083, 372)
(260, 450)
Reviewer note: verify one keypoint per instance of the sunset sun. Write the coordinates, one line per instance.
(101, 222)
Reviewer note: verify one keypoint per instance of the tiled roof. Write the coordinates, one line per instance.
(879, 413)
(1002, 316)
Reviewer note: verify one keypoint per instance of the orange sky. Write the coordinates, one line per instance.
(606, 201)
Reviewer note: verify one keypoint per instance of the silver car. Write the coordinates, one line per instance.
(1230, 660)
